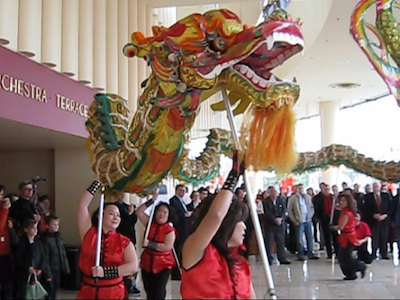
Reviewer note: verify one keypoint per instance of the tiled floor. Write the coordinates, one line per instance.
(314, 279)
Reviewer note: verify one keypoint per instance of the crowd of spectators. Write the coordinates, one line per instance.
(30, 243)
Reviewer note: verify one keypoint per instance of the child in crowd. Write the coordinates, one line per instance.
(55, 254)
(30, 258)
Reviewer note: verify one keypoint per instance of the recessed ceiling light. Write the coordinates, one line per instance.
(345, 85)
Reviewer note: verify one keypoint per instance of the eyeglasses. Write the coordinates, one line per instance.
(28, 189)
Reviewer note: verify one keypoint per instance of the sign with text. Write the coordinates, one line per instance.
(33, 94)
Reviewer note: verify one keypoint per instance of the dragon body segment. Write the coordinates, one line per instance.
(336, 155)
(189, 63)
(384, 55)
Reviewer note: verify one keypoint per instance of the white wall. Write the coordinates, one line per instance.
(72, 176)
(17, 166)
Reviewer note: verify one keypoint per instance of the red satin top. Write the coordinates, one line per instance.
(156, 261)
(210, 278)
(348, 233)
(363, 230)
(5, 248)
(112, 251)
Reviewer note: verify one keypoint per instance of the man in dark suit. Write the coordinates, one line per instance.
(376, 214)
(23, 208)
(274, 225)
(323, 209)
(181, 224)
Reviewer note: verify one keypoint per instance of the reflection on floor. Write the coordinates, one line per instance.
(314, 279)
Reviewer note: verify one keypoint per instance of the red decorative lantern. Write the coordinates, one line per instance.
(221, 180)
(212, 187)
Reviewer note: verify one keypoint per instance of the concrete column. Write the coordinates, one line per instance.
(9, 23)
(99, 45)
(133, 71)
(147, 30)
(30, 28)
(112, 47)
(86, 41)
(70, 38)
(51, 33)
(328, 112)
(141, 26)
(123, 39)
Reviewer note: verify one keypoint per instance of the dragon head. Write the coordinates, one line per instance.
(192, 58)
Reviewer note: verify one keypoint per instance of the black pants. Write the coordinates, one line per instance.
(380, 238)
(348, 264)
(290, 242)
(52, 286)
(363, 254)
(6, 277)
(330, 236)
(279, 236)
(155, 283)
(315, 226)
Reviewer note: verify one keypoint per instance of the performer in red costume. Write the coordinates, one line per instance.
(117, 258)
(348, 239)
(157, 259)
(212, 266)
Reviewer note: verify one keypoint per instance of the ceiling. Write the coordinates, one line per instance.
(330, 56)
(23, 137)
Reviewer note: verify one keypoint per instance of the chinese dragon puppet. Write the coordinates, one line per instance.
(382, 47)
(189, 62)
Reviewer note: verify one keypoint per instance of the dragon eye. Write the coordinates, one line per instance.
(219, 44)
(129, 50)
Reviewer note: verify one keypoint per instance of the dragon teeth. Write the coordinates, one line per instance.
(263, 83)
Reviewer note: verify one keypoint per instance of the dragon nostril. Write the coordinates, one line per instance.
(219, 44)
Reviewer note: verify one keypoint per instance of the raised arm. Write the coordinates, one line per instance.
(196, 243)
(140, 214)
(84, 218)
